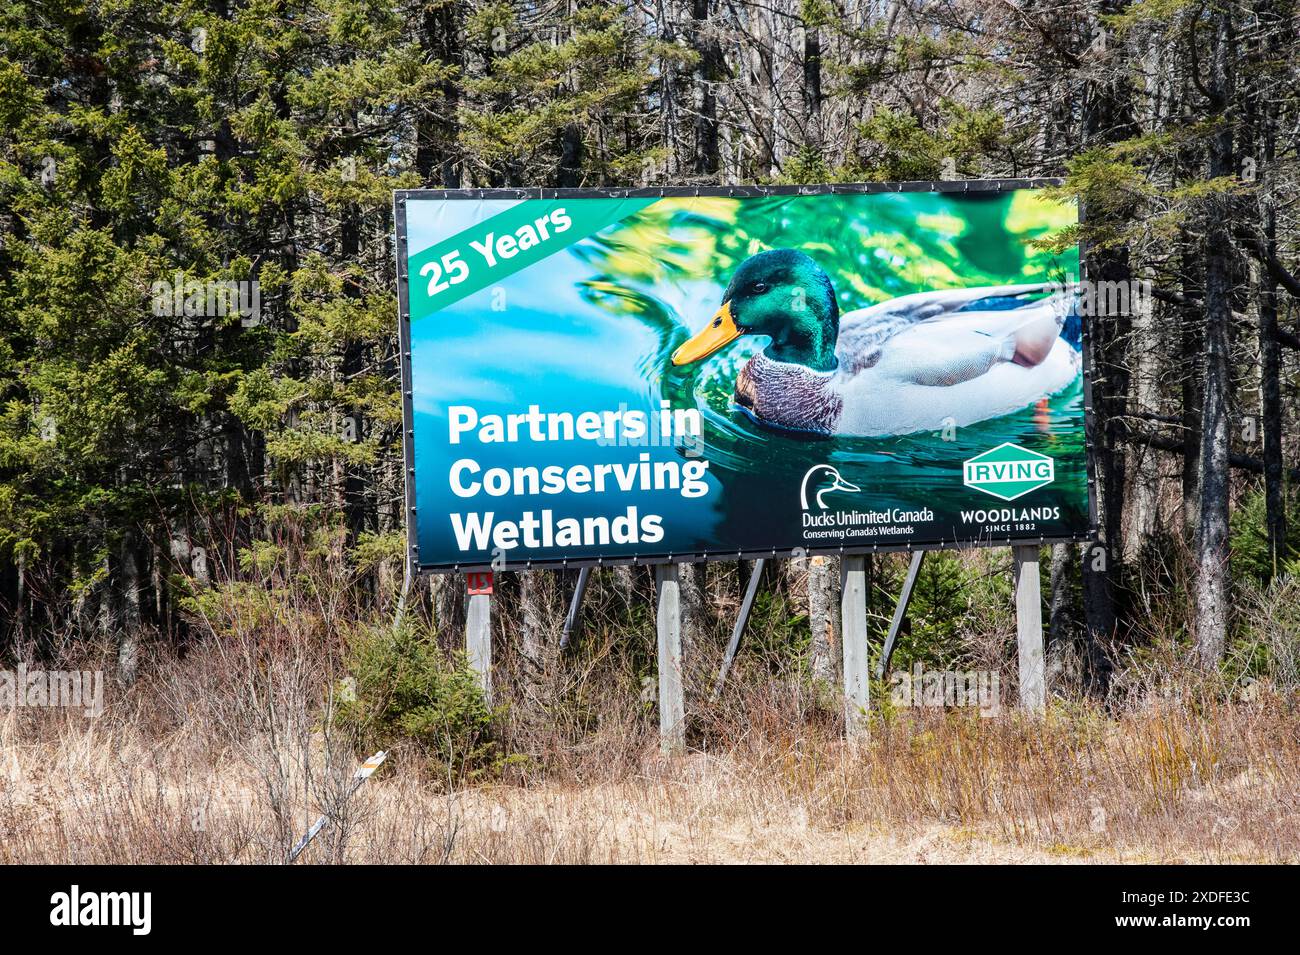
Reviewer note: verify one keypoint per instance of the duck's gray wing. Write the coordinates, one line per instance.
(991, 311)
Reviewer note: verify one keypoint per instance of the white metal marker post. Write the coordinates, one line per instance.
(478, 629)
(668, 624)
(365, 772)
(853, 624)
(1029, 628)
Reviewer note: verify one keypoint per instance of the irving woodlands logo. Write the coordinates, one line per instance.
(828, 479)
(133, 909)
(1008, 471)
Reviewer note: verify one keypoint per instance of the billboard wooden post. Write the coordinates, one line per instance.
(900, 613)
(478, 629)
(575, 606)
(668, 624)
(853, 623)
(746, 608)
(1029, 629)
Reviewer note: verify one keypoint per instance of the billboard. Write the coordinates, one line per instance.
(654, 375)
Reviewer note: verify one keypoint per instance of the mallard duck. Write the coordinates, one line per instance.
(915, 363)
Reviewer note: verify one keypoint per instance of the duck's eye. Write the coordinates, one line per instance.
(758, 288)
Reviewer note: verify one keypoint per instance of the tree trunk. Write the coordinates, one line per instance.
(1102, 562)
(622, 581)
(436, 128)
(695, 601)
(1189, 365)
(1062, 655)
(824, 617)
(356, 478)
(128, 643)
(1212, 542)
(1108, 119)
(1212, 536)
(812, 87)
(762, 78)
(449, 605)
(9, 589)
(1270, 413)
(570, 171)
(537, 610)
(1143, 495)
(707, 72)
(1270, 358)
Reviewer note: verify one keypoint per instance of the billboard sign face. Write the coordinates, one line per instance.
(683, 374)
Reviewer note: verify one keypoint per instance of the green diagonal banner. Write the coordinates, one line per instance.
(508, 242)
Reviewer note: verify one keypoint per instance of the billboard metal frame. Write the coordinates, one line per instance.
(402, 196)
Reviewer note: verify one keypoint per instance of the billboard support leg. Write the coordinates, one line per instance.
(575, 605)
(746, 607)
(857, 666)
(478, 640)
(407, 580)
(668, 624)
(1029, 628)
(900, 612)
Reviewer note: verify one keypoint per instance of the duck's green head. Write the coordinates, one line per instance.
(783, 294)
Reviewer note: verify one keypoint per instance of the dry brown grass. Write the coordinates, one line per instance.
(227, 754)
(1165, 783)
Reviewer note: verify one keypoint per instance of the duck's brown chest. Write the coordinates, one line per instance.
(789, 396)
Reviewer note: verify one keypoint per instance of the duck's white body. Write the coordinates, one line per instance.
(921, 363)
(879, 403)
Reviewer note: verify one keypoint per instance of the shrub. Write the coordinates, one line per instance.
(1249, 541)
(403, 688)
(1269, 643)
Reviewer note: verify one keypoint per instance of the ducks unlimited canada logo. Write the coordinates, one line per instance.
(829, 479)
(824, 521)
(1008, 471)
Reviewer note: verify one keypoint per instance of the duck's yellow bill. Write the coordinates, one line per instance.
(720, 331)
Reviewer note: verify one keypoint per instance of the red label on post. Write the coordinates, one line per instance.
(478, 583)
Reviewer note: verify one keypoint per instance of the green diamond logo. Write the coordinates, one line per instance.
(1008, 471)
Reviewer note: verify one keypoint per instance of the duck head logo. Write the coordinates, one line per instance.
(823, 479)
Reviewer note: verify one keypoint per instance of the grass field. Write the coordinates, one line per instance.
(1164, 785)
